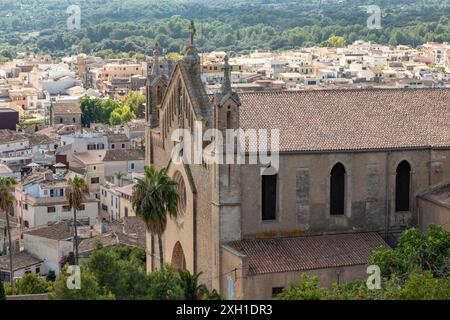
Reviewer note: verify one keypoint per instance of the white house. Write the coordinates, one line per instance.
(13, 144)
(23, 263)
(38, 101)
(49, 244)
(41, 199)
(55, 79)
(125, 161)
(42, 144)
(92, 140)
(110, 200)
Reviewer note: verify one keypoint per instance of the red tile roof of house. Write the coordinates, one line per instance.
(124, 155)
(308, 253)
(439, 194)
(126, 190)
(21, 260)
(66, 107)
(58, 231)
(330, 120)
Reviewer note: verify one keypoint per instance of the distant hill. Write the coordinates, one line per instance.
(112, 26)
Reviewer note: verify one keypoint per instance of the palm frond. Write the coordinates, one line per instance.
(155, 199)
(76, 193)
(6, 196)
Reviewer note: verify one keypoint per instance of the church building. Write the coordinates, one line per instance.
(351, 164)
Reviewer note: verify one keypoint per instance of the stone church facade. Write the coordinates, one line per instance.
(351, 164)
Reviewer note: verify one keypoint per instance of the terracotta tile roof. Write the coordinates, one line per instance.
(127, 190)
(72, 107)
(439, 194)
(54, 184)
(135, 231)
(117, 137)
(35, 176)
(90, 157)
(351, 119)
(308, 253)
(131, 240)
(50, 132)
(124, 155)
(134, 225)
(67, 129)
(38, 139)
(58, 231)
(20, 260)
(8, 136)
(136, 125)
(86, 246)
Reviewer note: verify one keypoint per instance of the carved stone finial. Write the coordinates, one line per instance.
(191, 52)
(226, 84)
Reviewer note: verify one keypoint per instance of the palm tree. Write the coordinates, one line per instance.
(189, 283)
(76, 195)
(6, 202)
(154, 199)
(119, 177)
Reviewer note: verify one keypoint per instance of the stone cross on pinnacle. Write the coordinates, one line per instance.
(192, 32)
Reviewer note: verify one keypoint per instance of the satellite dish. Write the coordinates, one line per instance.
(33, 165)
(59, 165)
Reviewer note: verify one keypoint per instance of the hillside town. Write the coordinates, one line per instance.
(230, 232)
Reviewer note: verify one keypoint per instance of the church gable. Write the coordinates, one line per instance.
(185, 100)
(179, 108)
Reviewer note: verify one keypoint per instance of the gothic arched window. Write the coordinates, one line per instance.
(269, 197)
(229, 123)
(402, 186)
(158, 95)
(337, 190)
(178, 258)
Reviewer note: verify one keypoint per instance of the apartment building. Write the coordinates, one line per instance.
(111, 71)
(41, 199)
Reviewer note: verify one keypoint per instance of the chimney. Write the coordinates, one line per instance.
(101, 226)
(48, 175)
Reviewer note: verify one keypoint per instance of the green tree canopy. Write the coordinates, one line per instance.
(417, 250)
(91, 111)
(222, 25)
(334, 42)
(418, 285)
(122, 115)
(90, 288)
(31, 284)
(136, 102)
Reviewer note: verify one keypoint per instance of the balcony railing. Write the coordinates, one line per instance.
(46, 201)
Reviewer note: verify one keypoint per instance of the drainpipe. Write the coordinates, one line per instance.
(338, 274)
(430, 166)
(387, 206)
